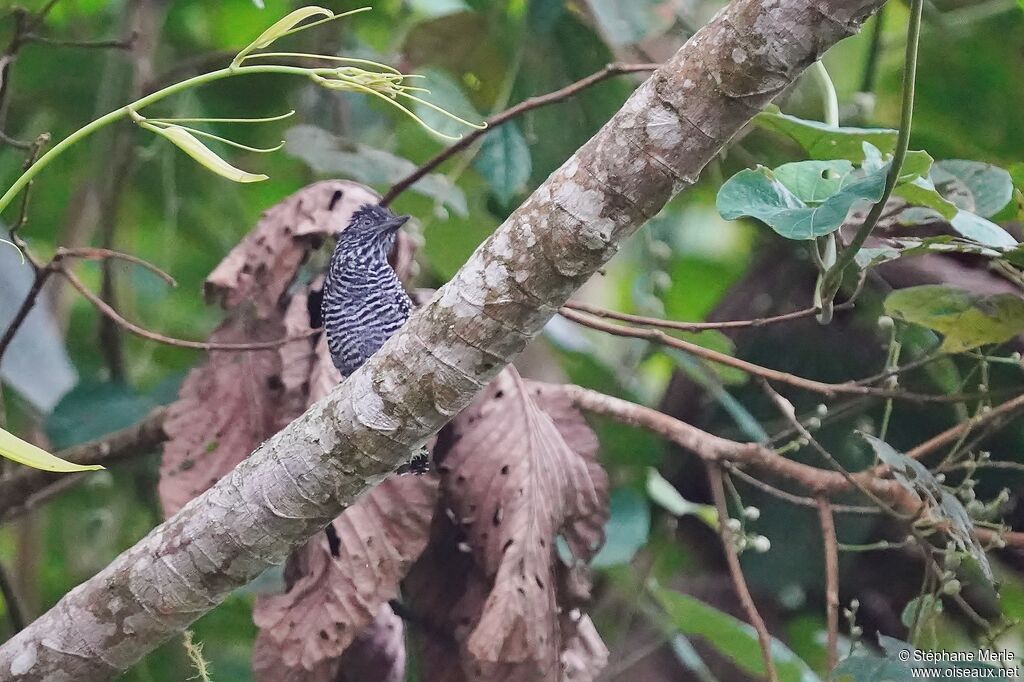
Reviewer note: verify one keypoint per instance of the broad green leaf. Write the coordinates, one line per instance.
(328, 154)
(989, 187)
(542, 15)
(966, 320)
(866, 667)
(22, 452)
(897, 650)
(916, 478)
(629, 524)
(912, 246)
(628, 23)
(916, 164)
(981, 230)
(446, 94)
(814, 181)
(823, 141)
(921, 192)
(665, 495)
(731, 637)
(504, 161)
(203, 155)
(758, 194)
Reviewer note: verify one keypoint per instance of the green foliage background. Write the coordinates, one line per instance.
(481, 56)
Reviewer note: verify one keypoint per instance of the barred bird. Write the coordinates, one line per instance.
(364, 303)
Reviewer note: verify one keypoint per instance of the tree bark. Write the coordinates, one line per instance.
(302, 477)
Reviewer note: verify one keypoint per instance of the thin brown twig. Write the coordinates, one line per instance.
(26, 488)
(10, 595)
(104, 308)
(789, 412)
(715, 478)
(714, 449)
(953, 433)
(91, 253)
(44, 270)
(828, 537)
(826, 389)
(608, 71)
(33, 153)
(660, 323)
(796, 500)
(41, 276)
(88, 44)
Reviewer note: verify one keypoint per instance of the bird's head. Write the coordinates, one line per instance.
(373, 224)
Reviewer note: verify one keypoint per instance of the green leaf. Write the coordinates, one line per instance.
(823, 141)
(916, 164)
(446, 94)
(629, 524)
(916, 478)
(758, 194)
(864, 667)
(966, 320)
(628, 23)
(93, 408)
(504, 161)
(912, 246)
(203, 155)
(989, 188)
(921, 192)
(328, 154)
(731, 637)
(281, 27)
(665, 495)
(814, 181)
(22, 452)
(981, 230)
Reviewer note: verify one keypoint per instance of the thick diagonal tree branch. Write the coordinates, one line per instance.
(303, 476)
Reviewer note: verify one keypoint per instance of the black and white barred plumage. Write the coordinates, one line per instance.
(364, 303)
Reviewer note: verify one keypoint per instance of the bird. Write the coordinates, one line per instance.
(364, 302)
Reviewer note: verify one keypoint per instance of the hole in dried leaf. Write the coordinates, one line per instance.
(498, 395)
(335, 198)
(497, 516)
(504, 470)
(274, 383)
(507, 545)
(332, 540)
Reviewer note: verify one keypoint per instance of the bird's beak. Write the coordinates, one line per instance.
(397, 222)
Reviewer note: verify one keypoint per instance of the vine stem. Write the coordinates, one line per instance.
(123, 112)
(833, 278)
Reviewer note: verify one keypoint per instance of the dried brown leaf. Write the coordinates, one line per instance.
(516, 478)
(447, 592)
(337, 591)
(261, 266)
(269, 666)
(297, 357)
(225, 408)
